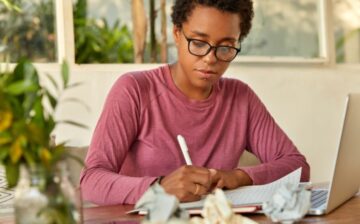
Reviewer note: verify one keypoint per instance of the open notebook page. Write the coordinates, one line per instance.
(252, 195)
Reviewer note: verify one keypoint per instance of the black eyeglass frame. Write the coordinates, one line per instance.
(210, 48)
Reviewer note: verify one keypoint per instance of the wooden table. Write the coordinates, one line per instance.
(347, 213)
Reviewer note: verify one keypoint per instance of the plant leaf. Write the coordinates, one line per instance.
(58, 153)
(39, 113)
(24, 70)
(4, 152)
(11, 6)
(73, 123)
(20, 87)
(45, 156)
(53, 82)
(28, 103)
(29, 158)
(77, 101)
(5, 137)
(65, 73)
(75, 158)
(6, 117)
(74, 85)
(12, 174)
(16, 150)
(52, 99)
(36, 133)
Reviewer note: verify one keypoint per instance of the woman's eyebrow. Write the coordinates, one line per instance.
(201, 34)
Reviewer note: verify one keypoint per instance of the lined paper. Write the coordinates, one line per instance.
(252, 195)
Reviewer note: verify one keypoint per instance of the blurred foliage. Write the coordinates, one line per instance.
(25, 123)
(10, 5)
(340, 44)
(29, 27)
(98, 42)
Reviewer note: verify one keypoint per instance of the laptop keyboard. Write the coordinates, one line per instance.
(318, 198)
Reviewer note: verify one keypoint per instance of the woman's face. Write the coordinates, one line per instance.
(210, 25)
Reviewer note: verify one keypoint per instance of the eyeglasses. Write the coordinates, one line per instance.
(201, 48)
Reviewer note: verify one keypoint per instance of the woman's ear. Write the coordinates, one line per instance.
(176, 33)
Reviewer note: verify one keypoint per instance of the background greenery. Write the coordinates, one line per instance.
(98, 42)
(103, 34)
(29, 31)
(27, 120)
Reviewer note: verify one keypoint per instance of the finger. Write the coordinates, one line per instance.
(200, 170)
(201, 176)
(212, 172)
(199, 190)
(215, 175)
(190, 198)
(220, 184)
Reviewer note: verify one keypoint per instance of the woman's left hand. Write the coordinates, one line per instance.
(229, 179)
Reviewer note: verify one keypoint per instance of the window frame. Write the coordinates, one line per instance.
(66, 43)
(326, 43)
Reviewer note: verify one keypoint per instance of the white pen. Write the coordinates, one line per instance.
(184, 149)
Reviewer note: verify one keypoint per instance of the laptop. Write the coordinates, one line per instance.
(345, 180)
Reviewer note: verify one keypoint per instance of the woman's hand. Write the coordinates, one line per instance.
(229, 179)
(188, 183)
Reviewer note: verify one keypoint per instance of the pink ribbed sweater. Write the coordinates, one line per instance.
(135, 138)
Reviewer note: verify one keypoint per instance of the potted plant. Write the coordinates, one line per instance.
(31, 160)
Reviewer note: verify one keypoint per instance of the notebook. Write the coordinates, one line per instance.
(345, 180)
(249, 196)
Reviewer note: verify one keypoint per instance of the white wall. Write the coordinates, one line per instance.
(307, 102)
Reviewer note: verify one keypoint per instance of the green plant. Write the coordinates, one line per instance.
(27, 120)
(29, 29)
(97, 42)
(340, 43)
(10, 5)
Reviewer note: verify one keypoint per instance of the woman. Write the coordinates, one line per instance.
(134, 143)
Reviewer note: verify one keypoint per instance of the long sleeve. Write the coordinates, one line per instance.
(134, 141)
(116, 130)
(278, 155)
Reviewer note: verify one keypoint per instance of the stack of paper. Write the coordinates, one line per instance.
(252, 195)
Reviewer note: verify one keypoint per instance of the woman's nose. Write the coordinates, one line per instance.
(210, 57)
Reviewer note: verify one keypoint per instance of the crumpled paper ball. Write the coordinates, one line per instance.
(217, 210)
(170, 221)
(161, 207)
(289, 204)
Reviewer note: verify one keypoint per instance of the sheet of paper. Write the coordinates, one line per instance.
(252, 195)
(197, 211)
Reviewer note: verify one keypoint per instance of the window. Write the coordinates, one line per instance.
(284, 28)
(96, 31)
(101, 35)
(276, 31)
(104, 35)
(28, 30)
(347, 30)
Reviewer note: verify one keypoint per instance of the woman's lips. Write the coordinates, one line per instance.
(206, 74)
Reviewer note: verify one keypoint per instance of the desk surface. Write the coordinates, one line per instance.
(347, 213)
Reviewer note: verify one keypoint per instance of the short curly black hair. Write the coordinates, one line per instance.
(182, 9)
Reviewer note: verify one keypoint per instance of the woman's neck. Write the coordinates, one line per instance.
(182, 83)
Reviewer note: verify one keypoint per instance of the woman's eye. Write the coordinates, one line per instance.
(224, 49)
(197, 43)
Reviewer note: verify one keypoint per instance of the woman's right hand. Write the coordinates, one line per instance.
(188, 183)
